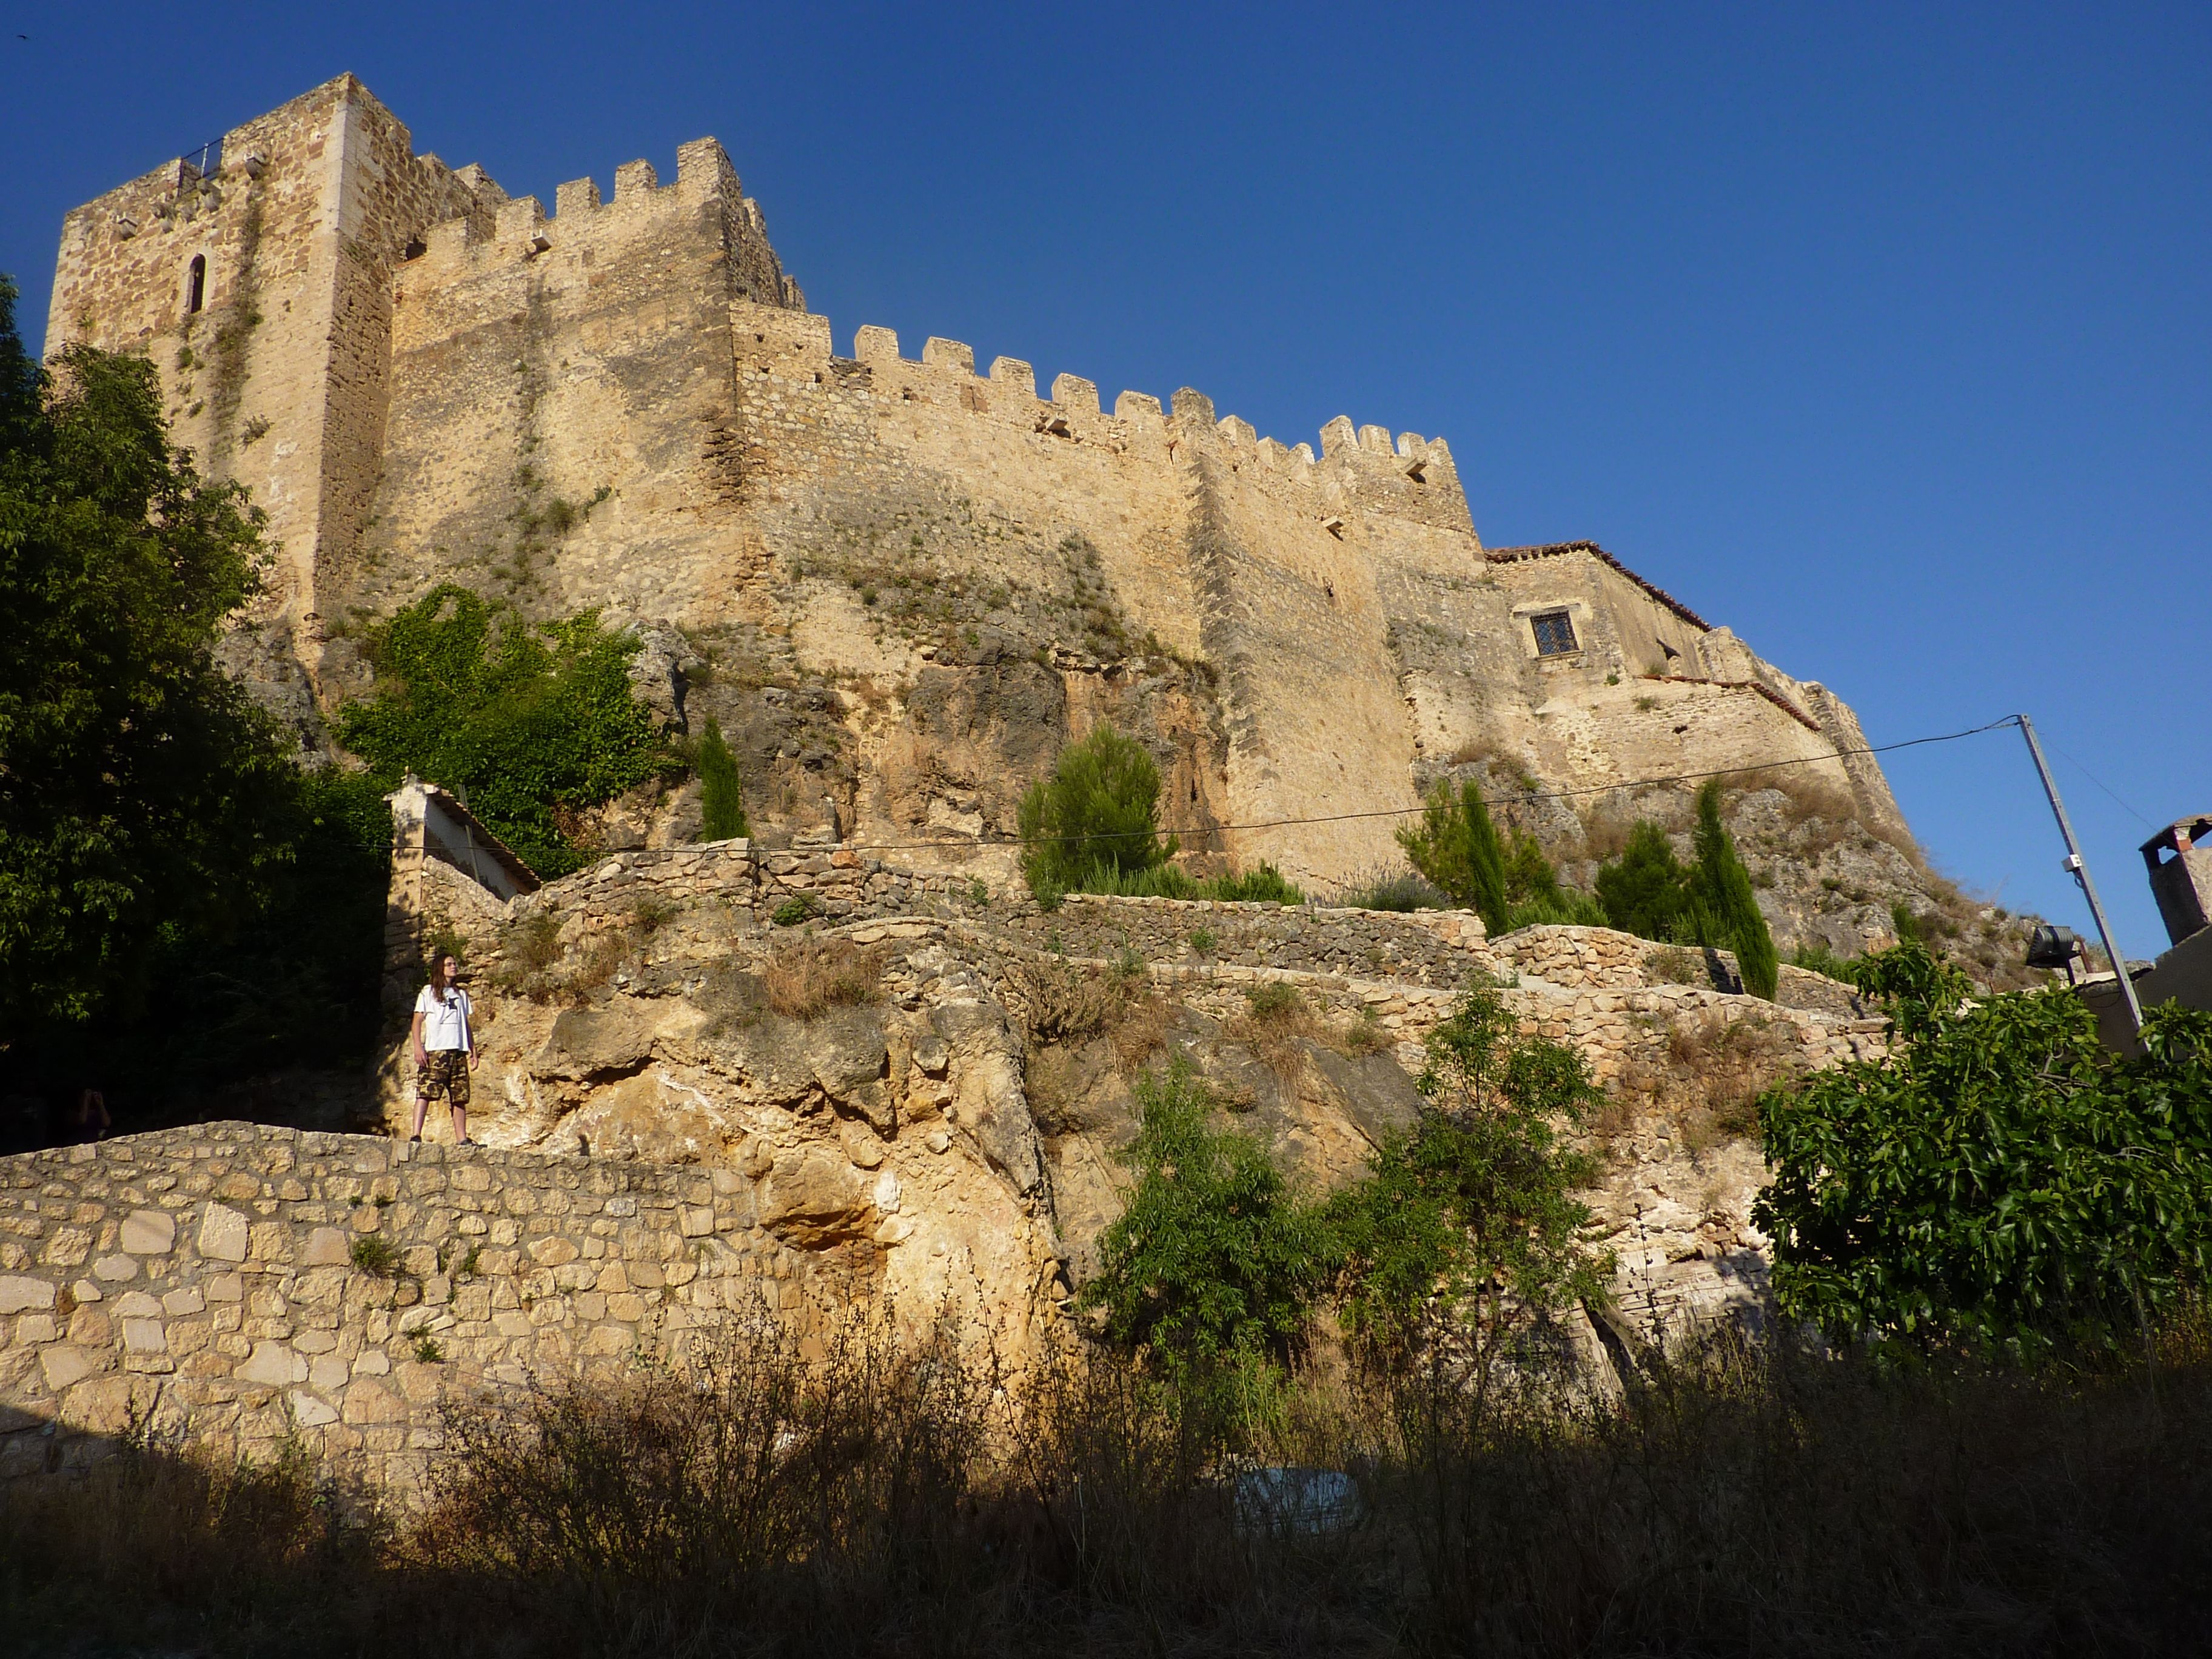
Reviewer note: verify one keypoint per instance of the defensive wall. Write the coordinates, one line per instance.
(625, 405)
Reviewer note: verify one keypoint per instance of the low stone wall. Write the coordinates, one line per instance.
(1576, 957)
(1427, 947)
(1609, 1027)
(207, 1280)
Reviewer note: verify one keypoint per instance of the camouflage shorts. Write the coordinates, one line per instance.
(446, 1074)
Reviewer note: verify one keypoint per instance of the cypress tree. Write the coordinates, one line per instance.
(1456, 846)
(1725, 888)
(721, 792)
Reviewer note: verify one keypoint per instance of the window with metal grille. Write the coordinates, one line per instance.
(1555, 633)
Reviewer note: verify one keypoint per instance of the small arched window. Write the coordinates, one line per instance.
(196, 285)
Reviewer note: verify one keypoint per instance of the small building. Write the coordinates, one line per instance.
(434, 823)
(444, 864)
(2179, 861)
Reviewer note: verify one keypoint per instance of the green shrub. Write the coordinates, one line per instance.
(1999, 1180)
(1470, 1222)
(1647, 891)
(1262, 884)
(1819, 959)
(373, 1253)
(1202, 940)
(533, 722)
(721, 788)
(1215, 1263)
(1402, 893)
(799, 907)
(1095, 813)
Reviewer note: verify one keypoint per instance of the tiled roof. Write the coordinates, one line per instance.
(1552, 549)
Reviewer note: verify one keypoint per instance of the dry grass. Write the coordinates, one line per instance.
(1064, 1002)
(1708, 1076)
(1677, 964)
(809, 976)
(914, 1498)
(1805, 795)
(1279, 1023)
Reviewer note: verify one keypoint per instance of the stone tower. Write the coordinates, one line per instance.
(261, 276)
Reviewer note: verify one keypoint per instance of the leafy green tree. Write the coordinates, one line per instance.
(534, 722)
(1456, 846)
(1998, 1181)
(143, 797)
(1092, 819)
(1469, 1223)
(1647, 891)
(1725, 890)
(721, 788)
(1214, 1264)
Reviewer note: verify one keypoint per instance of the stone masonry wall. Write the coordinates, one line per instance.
(207, 1280)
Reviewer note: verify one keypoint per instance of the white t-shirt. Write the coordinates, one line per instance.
(444, 1023)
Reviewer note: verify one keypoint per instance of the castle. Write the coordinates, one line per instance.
(929, 577)
(899, 586)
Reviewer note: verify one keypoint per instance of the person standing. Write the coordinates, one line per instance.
(445, 1049)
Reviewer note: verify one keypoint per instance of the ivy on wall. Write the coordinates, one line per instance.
(536, 722)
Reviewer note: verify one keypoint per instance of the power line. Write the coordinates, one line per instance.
(2100, 784)
(1407, 812)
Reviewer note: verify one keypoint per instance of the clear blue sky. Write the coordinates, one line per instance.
(1880, 334)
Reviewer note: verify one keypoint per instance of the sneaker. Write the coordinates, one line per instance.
(414, 1140)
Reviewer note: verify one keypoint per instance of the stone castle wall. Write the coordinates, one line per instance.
(624, 405)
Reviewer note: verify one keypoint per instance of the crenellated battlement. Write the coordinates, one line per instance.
(1355, 461)
(706, 197)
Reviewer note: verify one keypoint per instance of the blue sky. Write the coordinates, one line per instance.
(1879, 333)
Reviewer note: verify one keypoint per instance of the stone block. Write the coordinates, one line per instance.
(64, 1363)
(32, 1328)
(19, 1294)
(368, 1402)
(309, 1411)
(116, 1269)
(144, 1336)
(274, 1363)
(326, 1247)
(223, 1235)
(137, 1304)
(99, 1405)
(150, 1232)
(178, 1303)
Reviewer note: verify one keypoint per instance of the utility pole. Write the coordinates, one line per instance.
(2079, 869)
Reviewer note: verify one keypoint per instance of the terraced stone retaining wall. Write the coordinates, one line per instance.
(246, 1285)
